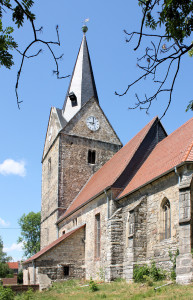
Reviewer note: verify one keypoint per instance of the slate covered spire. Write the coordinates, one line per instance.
(82, 83)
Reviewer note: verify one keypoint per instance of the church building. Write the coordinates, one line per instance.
(106, 208)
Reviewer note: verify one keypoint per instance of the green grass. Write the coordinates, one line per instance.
(120, 290)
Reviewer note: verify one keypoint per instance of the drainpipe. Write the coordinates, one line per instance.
(176, 171)
(34, 269)
(107, 204)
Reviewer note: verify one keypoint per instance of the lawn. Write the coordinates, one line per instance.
(120, 290)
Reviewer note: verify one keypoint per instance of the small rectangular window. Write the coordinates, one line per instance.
(97, 235)
(91, 156)
(49, 164)
(75, 222)
(66, 270)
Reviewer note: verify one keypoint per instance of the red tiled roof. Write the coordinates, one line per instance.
(111, 170)
(170, 152)
(13, 265)
(53, 244)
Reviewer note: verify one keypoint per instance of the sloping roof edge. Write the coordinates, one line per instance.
(52, 245)
(154, 179)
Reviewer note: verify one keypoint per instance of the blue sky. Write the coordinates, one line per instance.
(23, 131)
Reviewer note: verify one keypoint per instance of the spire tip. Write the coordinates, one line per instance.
(84, 29)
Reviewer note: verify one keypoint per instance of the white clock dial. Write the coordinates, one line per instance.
(92, 123)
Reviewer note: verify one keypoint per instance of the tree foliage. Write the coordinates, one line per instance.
(30, 233)
(4, 268)
(7, 42)
(174, 19)
(21, 10)
(3, 256)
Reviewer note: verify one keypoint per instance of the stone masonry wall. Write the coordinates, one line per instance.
(184, 262)
(74, 169)
(49, 231)
(155, 248)
(94, 267)
(78, 126)
(50, 266)
(114, 246)
(49, 195)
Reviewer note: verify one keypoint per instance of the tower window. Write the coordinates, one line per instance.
(75, 222)
(73, 99)
(49, 164)
(91, 156)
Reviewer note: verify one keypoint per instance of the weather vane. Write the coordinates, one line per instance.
(84, 27)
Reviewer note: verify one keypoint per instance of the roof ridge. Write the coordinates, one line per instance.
(179, 128)
(173, 132)
(137, 147)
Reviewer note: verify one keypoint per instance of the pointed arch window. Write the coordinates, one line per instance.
(166, 219)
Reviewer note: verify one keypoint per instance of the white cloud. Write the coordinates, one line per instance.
(4, 223)
(13, 247)
(12, 167)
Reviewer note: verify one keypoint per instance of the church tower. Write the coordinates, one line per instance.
(79, 141)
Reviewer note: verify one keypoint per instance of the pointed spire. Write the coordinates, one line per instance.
(82, 85)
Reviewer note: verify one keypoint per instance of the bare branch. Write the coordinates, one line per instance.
(36, 40)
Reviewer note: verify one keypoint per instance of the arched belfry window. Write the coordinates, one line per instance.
(166, 219)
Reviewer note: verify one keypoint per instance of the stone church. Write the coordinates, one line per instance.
(106, 208)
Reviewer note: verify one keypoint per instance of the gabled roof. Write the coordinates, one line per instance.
(170, 152)
(79, 114)
(13, 265)
(53, 244)
(108, 174)
(82, 81)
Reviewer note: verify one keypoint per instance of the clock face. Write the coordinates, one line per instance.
(92, 123)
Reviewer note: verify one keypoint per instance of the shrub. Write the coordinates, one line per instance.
(6, 293)
(173, 257)
(93, 286)
(148, 280)
(5, 271)
(139, 272)
(156, 273)
(29, 295)
(148, 273)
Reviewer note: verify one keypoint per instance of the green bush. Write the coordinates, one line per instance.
(9, 276)
(156, 273)
(5, 271)
(29, 295)
(139, 272)
(147, 273)
(93, 286)
(173, 257)
(6, 293)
